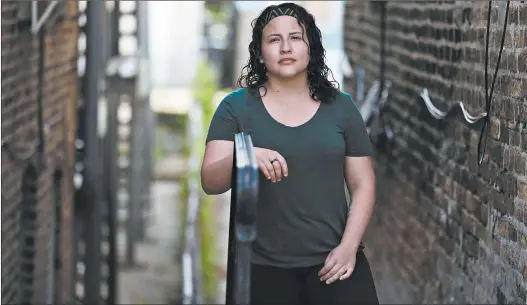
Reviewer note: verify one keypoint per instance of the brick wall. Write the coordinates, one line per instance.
(445, 229)
(20, 79)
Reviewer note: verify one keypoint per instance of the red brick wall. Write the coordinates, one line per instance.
(446, 229)
(20, 70)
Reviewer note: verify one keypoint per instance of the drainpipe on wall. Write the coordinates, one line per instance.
(40, 97)
(41, 148)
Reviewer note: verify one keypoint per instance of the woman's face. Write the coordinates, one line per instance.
(285, 53)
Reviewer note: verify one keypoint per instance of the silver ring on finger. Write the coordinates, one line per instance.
(273, 160)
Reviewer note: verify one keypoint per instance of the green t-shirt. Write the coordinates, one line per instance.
(302, 217)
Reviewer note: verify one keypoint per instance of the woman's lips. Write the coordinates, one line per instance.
(286, 61)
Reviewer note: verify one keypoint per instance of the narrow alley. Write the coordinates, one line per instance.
(106, 106)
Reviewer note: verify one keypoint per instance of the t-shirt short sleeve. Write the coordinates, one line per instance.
(356, 134)
(223, 125)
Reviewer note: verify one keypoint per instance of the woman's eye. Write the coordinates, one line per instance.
(273, 40)
(296, 37)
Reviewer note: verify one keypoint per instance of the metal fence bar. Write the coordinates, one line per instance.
(133, 187)
(91, 188)
(111, 198)
(231, 250)
(242, 224)
(140, 110)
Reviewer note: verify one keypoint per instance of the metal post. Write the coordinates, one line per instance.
(112, 187)
(243, 274)
(114, 29)
(133, 187)
(91, 189)
(232, 247)
(79, 211)
(146, 134)
(151, 135)
(111, 156)
(140, 121)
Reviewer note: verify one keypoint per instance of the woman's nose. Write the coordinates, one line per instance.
(286, 48)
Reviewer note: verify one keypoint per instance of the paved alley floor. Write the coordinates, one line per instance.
(156, 280)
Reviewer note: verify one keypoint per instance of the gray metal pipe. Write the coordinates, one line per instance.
(112, 188)
(91, 189)
(36, 23)
(41, 148)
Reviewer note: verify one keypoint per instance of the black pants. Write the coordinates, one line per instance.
(272, 285)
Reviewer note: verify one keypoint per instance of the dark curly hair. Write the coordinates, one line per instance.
(254, 73)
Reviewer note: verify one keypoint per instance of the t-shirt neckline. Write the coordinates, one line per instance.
(306, 123)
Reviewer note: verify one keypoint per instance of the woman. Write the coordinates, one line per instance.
(310, 138)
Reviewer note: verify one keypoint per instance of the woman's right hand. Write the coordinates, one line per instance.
(271, 163)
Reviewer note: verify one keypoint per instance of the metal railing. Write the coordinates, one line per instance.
(242, 223)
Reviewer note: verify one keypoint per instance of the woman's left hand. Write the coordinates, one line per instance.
(339, 264)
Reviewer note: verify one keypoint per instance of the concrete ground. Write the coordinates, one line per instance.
(156, 280)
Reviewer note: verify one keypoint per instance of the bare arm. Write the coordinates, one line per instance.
(216, 170)
(360, 178)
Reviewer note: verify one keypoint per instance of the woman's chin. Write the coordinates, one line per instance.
(290, 73)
